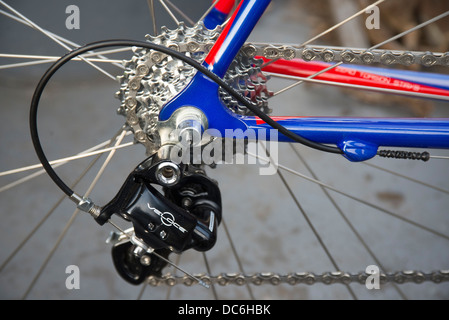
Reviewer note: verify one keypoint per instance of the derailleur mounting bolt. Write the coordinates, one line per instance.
(168, 173)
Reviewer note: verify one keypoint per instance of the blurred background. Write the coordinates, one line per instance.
(264, 223)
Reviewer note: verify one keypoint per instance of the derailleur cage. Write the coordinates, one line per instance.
(185, 217)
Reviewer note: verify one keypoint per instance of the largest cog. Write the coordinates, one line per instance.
(151, 79)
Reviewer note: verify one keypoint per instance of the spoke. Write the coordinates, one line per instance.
(177, 262)
(208, 10)
(406, 177)
(309, 222)
(141, 292)
(31, 176)
(205, 285)
(72, 219)
(89, 154)
(105, 164)
(44, 59)
(85, 55)
(50, 212)
(51, 253)
(237, 257)
(180, 12)
(345, 218)
(24, 179)
(322, 34)
(31, 233)
(223, 25)
(351, 86)
(84, 154)
(71, 43)
(304, 79)
(236, 3)
(374, 206)
(169, 12)
(153, 15)
(39, 57)
(61, 43)
(206, 263)
(422, 25)
(25, 64)
(341, 23)
(151, 251)
(110, 51)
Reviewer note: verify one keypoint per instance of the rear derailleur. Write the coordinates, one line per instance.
(172, 207)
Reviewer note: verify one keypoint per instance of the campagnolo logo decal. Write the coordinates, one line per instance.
(167, 219)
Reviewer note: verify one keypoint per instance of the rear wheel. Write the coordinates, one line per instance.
(322, 213)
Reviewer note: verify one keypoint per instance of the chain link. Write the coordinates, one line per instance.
(307, 278)
(348, 55)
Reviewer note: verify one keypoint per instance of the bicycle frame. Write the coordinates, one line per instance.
(358, 138)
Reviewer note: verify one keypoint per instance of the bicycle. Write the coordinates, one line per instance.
(356, 149)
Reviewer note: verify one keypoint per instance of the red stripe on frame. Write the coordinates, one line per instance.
(297, 67)
(260, 121)
(225, 6)
(210, 59)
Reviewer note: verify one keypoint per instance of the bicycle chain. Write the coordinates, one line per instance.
(307, 278)
(308, 53)
(348, 55)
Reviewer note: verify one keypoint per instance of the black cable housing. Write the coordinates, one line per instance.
(148, 45)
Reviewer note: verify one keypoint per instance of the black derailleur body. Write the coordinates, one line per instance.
(184, 216)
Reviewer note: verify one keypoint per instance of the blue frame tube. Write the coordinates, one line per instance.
(234, 35)
(359, 138)
(419, 133)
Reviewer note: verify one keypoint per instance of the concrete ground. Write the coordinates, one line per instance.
(268, 231)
